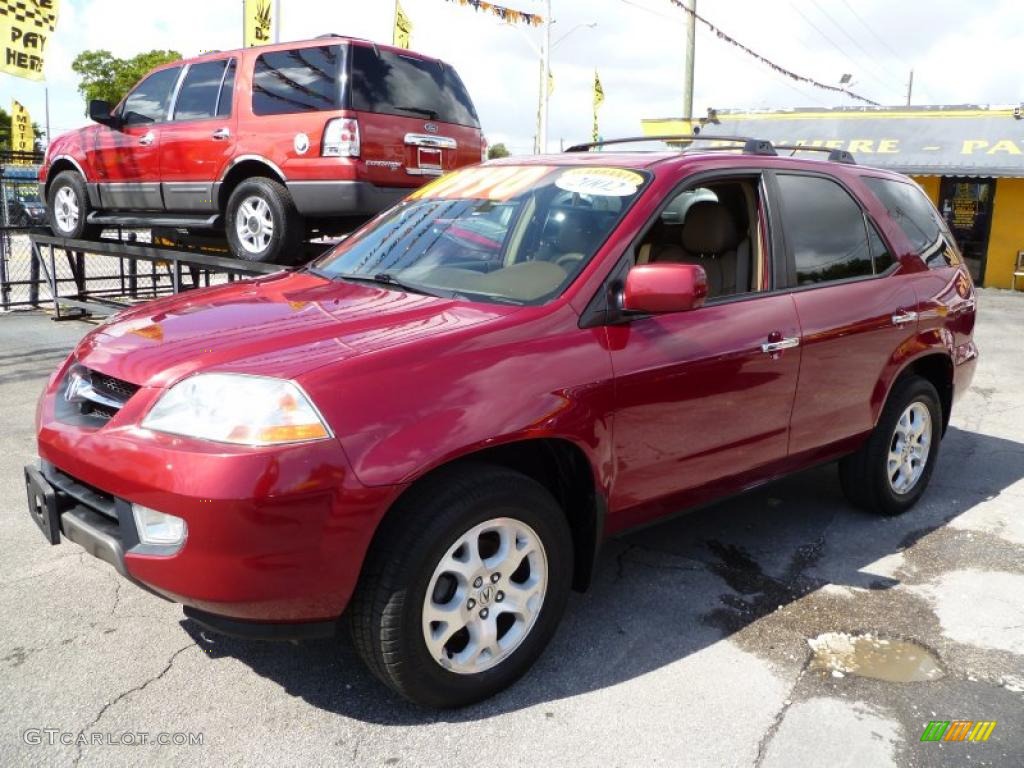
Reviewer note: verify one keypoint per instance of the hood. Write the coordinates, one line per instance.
(283, 325)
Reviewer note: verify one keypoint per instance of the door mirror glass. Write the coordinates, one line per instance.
(99, 112)
(660, 288)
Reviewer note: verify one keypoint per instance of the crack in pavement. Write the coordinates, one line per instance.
(124, 694)
(773, 728)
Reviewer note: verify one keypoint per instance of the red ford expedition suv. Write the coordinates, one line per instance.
(268, 144)
(426, 433)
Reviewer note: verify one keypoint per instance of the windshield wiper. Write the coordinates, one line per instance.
(419, 111)
(386, 278)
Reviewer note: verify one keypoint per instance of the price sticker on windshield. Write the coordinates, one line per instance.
(603, 182)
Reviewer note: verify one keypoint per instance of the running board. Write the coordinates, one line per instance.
(182, 221)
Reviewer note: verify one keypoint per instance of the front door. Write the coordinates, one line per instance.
(966, 205)
(198, 141)
(126, 158)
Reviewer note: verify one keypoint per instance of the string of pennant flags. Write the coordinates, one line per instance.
(510, 15)
(768, 62)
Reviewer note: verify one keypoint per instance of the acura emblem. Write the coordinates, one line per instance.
(430, 127)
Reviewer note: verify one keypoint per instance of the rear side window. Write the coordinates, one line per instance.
(393, 84)
(825, 230)
(149, 102)
(199, 91)
(299, 80)
(913, 213)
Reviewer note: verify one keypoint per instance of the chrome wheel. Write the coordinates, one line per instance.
(909, 448)
(254, 224)
(485, 595)
(65, 209)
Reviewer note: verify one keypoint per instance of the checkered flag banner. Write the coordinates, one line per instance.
(26, 27)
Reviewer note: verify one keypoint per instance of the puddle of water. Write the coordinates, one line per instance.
(896, 661)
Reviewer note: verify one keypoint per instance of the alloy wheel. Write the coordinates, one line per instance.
(66, 209)
(254, 224)
(909, 448)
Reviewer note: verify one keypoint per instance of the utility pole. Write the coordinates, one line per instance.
(910, 87)
(691, 39)
(277, 21)
(545, 79)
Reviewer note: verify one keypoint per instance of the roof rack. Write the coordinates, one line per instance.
(834, 155)
(750, 146)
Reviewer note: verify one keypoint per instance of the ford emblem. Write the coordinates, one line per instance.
(430, 127)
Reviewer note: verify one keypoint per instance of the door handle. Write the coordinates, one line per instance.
(147, 139)
(771, 347)
(901, 318)
(221, 134)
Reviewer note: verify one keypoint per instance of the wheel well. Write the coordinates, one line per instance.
(246, 169)
(58, 167)
(938, 369)
(563, 469)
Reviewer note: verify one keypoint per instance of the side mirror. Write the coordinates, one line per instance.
(660, 288)
(99, 112)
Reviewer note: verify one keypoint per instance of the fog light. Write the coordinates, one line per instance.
(158, 528)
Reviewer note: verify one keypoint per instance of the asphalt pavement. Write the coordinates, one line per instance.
(693, 647)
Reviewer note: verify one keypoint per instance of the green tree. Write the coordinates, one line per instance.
(498, 150)
(104, 76)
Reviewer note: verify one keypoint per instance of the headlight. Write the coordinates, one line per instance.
(233, 408)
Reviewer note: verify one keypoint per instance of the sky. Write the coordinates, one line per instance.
(960, 53)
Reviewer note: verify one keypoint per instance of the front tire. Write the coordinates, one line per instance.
(68, 208)
(890, 472)
(262, 223)
(463, 587)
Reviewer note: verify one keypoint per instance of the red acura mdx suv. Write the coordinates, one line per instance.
(267, 144)
(426, 434)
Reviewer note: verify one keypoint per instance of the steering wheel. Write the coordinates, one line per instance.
(566, 261)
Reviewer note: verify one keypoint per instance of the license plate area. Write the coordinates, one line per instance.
(42, 504)
(429, 159)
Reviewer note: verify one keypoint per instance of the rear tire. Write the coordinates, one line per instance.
(424, 621)
(68, 208)
(890, 472)
(262, 223)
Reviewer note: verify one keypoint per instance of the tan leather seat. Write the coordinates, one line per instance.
(710, 238)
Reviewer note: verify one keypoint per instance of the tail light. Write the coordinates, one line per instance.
(341, 138)
(483, 148)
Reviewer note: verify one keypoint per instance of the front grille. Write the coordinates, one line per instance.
(92, 398)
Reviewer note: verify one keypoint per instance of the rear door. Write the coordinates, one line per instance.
(126, 159)
(199, 140)
(416, 119)
(856, 308)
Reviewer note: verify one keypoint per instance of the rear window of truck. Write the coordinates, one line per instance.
(393, 84)
(299, 80)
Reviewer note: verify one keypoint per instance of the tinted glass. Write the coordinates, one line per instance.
(880, 255)
(913, 212)
(198, 95)
(509, 234)
(227, 92)
(300, 80)
(149, 101)
(824, 229)
(393, 84)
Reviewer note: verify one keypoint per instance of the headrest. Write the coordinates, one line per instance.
(709, 229)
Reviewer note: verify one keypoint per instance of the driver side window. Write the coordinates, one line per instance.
(716, 226)
(149, 102)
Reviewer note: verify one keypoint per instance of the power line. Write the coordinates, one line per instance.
(835, 45)
(768, 62)
(873, 33)
(868, 57)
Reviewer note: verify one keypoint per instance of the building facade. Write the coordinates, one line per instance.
(969, 159)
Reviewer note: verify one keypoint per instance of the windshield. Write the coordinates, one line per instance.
(512, 234)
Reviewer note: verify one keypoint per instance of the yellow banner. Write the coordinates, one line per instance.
(25, 30)
(258, 21)
(22, 136)
(403, 28)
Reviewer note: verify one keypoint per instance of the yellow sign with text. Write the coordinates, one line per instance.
(258, 21)
(22, 136)
(25, 29)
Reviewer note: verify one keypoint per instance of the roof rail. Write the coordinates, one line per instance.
(834, 155)
(750, 146)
